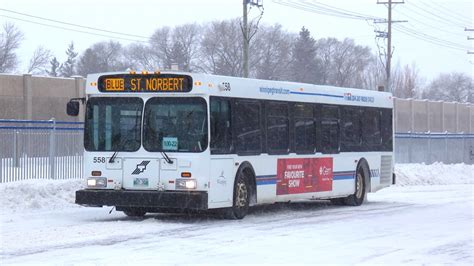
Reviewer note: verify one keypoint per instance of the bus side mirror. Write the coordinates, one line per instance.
(72, 108)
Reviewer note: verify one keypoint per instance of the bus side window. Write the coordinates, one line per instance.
(351, 138)
(304, 126)
(371, 129)
(247, 126)
(277, 127)
(330, 129)
(221, 130)
(387, 130)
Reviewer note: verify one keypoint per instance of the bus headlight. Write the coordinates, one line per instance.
(186, 184)
(97, 182)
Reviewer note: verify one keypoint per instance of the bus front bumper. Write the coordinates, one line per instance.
(185, 200)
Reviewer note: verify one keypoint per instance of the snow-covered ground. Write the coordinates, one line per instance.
(426, 218)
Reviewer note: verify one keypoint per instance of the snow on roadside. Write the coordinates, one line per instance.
(38, 194)
(43, 194)
(434, 174)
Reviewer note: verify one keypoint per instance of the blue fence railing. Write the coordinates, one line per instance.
(41, 125)
(37, 149)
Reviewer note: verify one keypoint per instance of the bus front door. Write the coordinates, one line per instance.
(221, 182)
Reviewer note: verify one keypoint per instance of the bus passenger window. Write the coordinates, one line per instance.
(371, 127)
(330, 129)
(387, 131)
(350, 128)
(278, 139)
(247, 127)
(221, 130)
(305, 139)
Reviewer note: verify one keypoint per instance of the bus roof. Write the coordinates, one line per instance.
(224, 86)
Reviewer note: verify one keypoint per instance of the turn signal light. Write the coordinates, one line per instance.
(185, 174)
(96, 173)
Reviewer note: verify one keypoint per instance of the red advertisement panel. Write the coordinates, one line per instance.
(323, 169)
(304, 175)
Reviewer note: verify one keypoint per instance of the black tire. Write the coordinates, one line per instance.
(338, 201)
(357, 198)
(134, 212)
(241, 199)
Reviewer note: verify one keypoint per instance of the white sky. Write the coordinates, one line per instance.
(141, 17)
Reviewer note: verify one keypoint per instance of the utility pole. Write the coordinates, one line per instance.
(246, 32)
(470, 95)
(246, 40)
(388, 60)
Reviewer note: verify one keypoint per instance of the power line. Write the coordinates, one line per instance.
(429, 38)
(433, 15)
(323, 9)
(427, 24)
(72, 24)
(68, 29)
(452, 14)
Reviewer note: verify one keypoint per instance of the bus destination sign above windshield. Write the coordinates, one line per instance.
(145, 83)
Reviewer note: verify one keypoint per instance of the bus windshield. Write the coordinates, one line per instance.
(175, 124)
(113, 124)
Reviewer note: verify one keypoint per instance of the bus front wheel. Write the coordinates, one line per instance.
(130, 212)
(241, 199)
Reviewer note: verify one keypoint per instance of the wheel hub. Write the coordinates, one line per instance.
(241, 199)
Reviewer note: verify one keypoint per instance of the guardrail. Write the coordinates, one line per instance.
(40, 149)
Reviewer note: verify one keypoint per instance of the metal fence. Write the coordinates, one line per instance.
(434, 147)
(45, 149)
(54, 150)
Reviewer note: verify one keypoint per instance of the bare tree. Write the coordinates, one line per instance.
(10, 40)
(406, 82)
(344, 62)
(39, 61)
(272, 53)
(169, 46)
(102, 57)
(450, 87)
(373, 75)
(141, 56)
(187, 39)
(221, 48)
(160, 47)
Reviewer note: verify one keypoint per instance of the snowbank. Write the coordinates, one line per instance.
(42, 194)
(434, 174)
(38, 194)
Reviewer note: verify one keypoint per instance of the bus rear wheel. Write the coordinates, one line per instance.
(241, 199)
(357, 198)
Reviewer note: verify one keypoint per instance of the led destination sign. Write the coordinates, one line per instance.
(145, 83)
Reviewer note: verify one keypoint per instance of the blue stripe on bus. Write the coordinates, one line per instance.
(342, 177)
(316, 94)
(266, 182)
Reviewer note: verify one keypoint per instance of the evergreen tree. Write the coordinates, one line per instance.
(67, 69)
(305, 66)
(54, 67)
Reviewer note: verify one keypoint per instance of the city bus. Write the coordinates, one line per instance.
(174, 141)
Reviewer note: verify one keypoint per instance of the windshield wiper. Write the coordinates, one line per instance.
(166, 157)
(120, 146)
(112, 159)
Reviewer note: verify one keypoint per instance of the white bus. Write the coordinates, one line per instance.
(176, 141)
